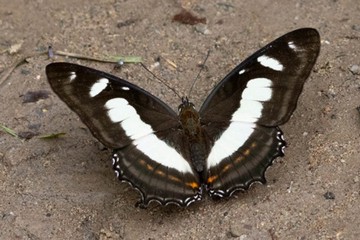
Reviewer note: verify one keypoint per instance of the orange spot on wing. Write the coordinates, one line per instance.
(227, 167)
(212, 178)
(192, 184)
(149, 167)
(247, 152)
(239, 159)
(160, 172)
(176, 179)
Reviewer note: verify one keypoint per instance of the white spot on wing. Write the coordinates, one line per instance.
(125, 88)
(292, 45)
(115, 103)
(259, 83)
(135, 128)
(99, 86)
(231, 139)
(143, 135)
(241, 71)
(72, 76)
(257, 94)
(257, 91)
(250, 111)
(270, 63)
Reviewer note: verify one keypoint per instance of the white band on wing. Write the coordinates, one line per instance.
(119, 110)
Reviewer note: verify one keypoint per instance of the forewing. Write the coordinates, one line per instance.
(97, 97)
(267, 85)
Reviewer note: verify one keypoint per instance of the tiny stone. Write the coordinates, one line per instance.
(126, 23)
(356, 179)
(332, 92)
(8, 217)
(235, 231)
(12, 157)
(329, 195)
(202, 29)
(356, 27)
(355, 69)
(25, 72)
(27, 135)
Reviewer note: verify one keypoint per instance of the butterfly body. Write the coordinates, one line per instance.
(194, 135)
(224, 147)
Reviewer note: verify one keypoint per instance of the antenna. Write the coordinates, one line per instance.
(197, 77)
(160, 80)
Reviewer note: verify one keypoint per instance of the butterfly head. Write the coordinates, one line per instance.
(185, 104)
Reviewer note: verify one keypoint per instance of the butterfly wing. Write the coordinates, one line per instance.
(134, 123)
(242, 113)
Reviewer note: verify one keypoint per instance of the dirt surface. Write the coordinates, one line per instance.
(65, 188)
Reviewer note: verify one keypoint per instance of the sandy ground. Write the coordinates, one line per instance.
(65, 188)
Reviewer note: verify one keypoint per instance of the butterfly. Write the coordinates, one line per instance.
(178, 157)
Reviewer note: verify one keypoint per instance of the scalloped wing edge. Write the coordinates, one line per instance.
(144, 200)
(229, 192)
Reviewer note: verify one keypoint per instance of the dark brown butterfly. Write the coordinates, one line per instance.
(225, 146)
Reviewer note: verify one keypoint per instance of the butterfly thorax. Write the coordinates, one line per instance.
(193, 134)
(189, 119)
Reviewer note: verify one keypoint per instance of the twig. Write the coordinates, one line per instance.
(108, 59)
(8, 131)
(52, 135)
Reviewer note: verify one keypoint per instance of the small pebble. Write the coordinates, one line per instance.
(356, 27)
(355, 69)
(356, 179)
(202, 29)
(329, 196)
